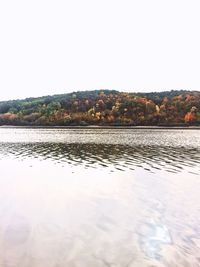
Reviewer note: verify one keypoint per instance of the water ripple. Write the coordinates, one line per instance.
(122, 157)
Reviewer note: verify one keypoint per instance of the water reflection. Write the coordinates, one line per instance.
(119, 157)
(92, 198)
(155, 237)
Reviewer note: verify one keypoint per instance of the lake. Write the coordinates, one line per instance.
(99, 197)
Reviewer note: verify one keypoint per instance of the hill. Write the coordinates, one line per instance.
(104, 107)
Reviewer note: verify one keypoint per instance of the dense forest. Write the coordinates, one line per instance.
(104, 107)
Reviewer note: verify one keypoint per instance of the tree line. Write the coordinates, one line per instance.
(104, 107)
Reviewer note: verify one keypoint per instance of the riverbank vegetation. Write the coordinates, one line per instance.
(104, 107)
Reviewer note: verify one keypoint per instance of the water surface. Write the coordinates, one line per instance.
(99, 197)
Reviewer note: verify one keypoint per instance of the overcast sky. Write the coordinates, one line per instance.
(50, 47)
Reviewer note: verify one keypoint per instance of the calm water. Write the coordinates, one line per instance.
(99, 197)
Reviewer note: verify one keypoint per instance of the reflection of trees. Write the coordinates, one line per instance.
(173, 159)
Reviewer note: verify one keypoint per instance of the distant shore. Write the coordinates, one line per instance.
(105, 109)
(105, 127)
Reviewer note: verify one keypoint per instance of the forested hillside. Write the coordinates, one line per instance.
(104, 107)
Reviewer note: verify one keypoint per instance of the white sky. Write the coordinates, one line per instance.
(51, 47)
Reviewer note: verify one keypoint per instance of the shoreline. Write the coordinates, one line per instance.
(103, 127)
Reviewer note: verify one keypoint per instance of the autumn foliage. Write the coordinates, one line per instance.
(104, 107)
